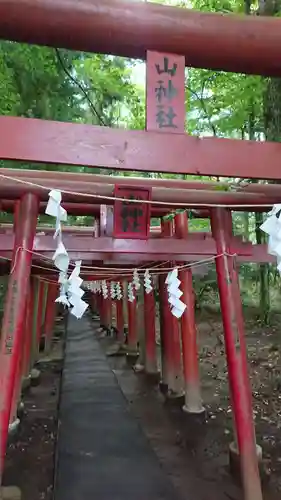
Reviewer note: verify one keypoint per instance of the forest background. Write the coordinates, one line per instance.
(46, 83)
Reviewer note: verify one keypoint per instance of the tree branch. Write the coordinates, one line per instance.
(201, 100)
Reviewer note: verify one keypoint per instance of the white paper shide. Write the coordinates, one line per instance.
(104, 289)
(131, 293)
(147, 282)
(272, 227)
(113, 290)
(136, 280)
(119, 294)
(71, 292)
(174, 294)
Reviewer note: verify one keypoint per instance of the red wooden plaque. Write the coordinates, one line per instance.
(131, 220)
(165, 92)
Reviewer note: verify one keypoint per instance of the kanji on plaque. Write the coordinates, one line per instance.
(165, 92)
(131, 220)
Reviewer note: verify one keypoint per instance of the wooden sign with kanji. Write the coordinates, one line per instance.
(131, 220)
(165, 92)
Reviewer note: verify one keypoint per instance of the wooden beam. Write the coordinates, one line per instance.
(246, 44)
(259, 256)
(112, 180)
(99, 193)
(61, 143)
(156, 248)
(79, 209)
(126, 252)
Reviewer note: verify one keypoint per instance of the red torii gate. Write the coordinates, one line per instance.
(130, 149)
(135, 29)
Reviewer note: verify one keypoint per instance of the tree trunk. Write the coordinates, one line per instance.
(264, 302)
(272, 131)
(246, 232)
(263, 275)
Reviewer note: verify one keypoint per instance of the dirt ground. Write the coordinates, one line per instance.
(194, 454)
(30, 459)
(30, 456)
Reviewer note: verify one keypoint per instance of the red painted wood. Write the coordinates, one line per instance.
(193, 401)
(167, 228)
(132, 326)
(16, 214)
(11, 189)
(17, 384)
(14, 312)
(20, 363)
(150, 333)
(76, 144)
(94, 303)
(39, 317)
(170, 347)
(130, 251)
(236, 353)
(153, 247)
(163, 331)
(137, 216)
(87, 208)
(81, 230)
(263, 189)
(99, 305)
(71, 208)
(105, 221)
(176, 384)
(140, 26)
(29, 327)
(170, 324)
(181, 227)
(76, 208)
(165, 92)
(17, 389)
(259, 254)
(50, 316)
(102, 311)
(120, 320)
(106, 179)
(108, 309)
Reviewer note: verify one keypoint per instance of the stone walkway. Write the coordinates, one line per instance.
(102, 452)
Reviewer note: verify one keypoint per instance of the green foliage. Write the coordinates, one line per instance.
(107, 81)
(36, 85)
(220, 103)
(60, 85)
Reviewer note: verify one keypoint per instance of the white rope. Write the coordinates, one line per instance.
(126, 272)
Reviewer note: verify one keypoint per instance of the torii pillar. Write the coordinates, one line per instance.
(165, 112)
(170, 335)
(15, 308)
(50, 316)
(151, 367)
(236, 353)
(193, 400)
(132, 338)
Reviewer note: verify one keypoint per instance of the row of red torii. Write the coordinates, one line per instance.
(106, 251)
(171, 243)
